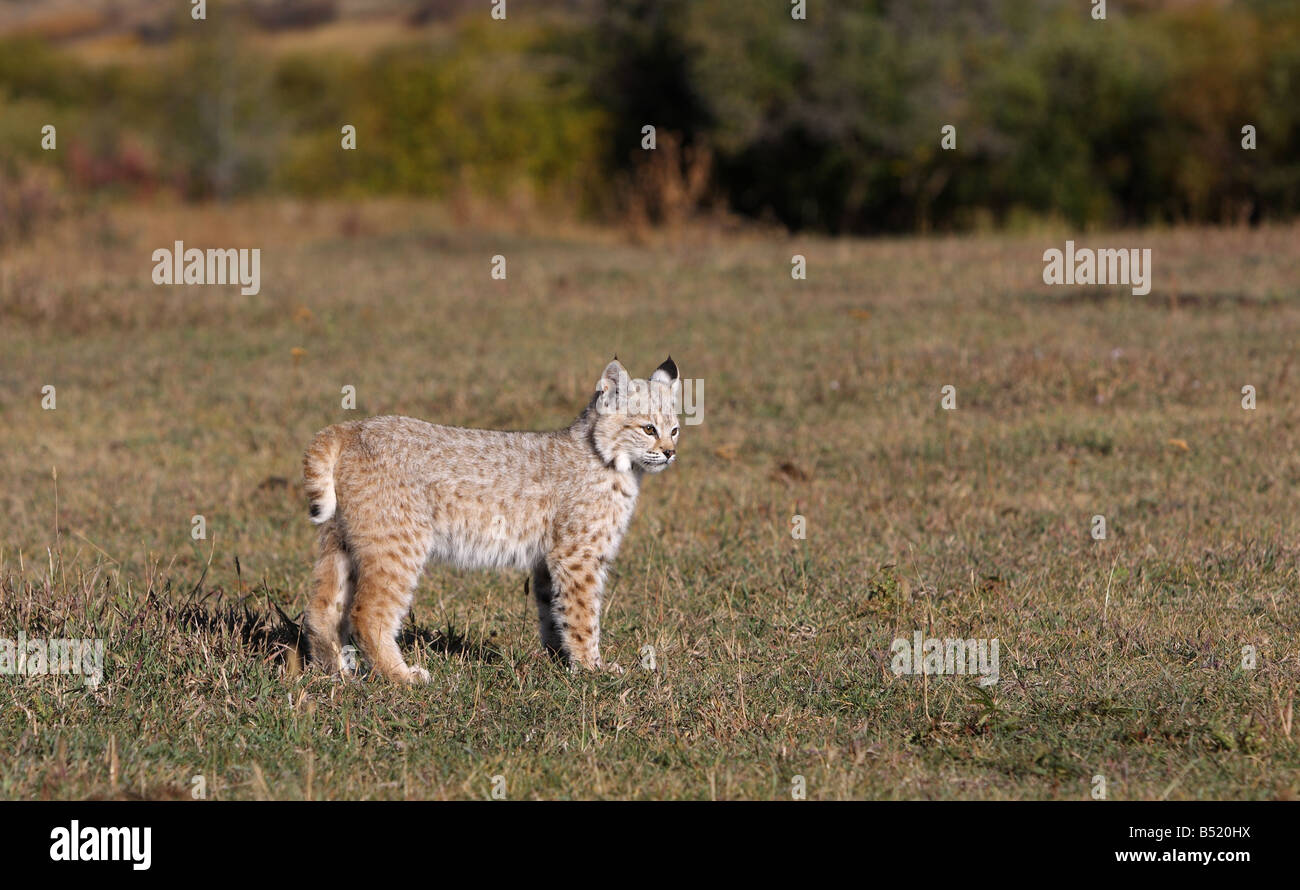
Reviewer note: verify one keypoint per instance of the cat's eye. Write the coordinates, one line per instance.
(674, 432)
(649, 430)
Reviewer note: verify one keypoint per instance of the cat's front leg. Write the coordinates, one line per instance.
(577, 584)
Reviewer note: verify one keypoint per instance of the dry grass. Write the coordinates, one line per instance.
(1120, 657)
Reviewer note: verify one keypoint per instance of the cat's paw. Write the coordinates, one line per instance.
(347, 662)
(417, 676)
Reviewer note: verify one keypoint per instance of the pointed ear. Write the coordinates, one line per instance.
(613, 378)
(665, 373)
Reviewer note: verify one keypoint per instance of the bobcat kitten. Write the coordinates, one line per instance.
(389, 492)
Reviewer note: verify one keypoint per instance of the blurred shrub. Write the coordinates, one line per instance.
(213, 114)
(29, 198)
(669, 186)
(832, 123)
(485, 109)
(30, 69)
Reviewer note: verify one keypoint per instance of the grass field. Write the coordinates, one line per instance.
(1120, 658)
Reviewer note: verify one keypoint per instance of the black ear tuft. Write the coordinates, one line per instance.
(667, 372)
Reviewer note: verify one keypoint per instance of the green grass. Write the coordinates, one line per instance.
(1120, 658)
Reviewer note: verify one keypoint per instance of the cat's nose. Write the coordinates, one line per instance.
(668, 453)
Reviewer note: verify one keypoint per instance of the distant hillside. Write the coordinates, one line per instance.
(152, 21)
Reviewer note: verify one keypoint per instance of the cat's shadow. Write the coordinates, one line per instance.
(260, 632)
(449, 642)
(271, 635)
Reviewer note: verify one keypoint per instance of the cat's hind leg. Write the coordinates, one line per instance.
(326, 618)
(385, 590)
(544, 594)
